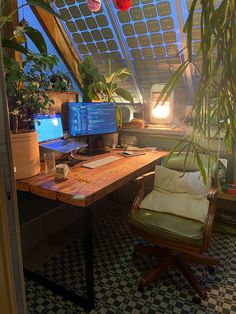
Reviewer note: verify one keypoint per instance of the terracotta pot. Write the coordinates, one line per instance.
(25, 151)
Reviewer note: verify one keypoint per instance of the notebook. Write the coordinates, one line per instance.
(50, 133)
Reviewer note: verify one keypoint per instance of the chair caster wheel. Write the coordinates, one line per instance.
(140, 288)
(196, 300)
(211, 269)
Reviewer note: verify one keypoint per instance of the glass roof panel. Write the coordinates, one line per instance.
(146, 38)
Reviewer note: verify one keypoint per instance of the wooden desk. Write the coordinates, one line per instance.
(83, 188)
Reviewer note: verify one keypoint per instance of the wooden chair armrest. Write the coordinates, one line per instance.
(210, 217)
(143, 177)
(211, 196)
(140, 181)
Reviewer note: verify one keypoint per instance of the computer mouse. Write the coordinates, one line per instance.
(127, 152)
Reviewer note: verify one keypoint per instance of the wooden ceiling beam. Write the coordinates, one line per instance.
(60, 40)
(7, 7)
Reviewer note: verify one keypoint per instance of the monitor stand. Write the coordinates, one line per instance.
(95, 146)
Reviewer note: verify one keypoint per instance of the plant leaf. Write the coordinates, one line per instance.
(171, 84)
(45, 6)
(36, 38)
(124, 94)
(7, 43)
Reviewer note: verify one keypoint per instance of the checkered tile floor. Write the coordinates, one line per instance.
(117, 275)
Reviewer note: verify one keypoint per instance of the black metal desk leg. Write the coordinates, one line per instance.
(87, 302)
(89, 270)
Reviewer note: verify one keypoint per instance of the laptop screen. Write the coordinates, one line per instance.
(48, 126)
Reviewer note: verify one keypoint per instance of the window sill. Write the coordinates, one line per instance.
(157, 130)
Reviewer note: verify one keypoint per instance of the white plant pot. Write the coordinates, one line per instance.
(25, 152)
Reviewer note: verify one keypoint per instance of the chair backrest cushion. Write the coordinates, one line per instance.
(178, 193)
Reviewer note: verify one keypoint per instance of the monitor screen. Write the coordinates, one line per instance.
(48, 126)
(92, 118)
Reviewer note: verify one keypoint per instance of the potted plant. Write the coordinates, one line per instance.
(61, 91)
(105, 87)
(108, 88)
(214, 108)
(25, 86)
(89, 76)
(25, 90)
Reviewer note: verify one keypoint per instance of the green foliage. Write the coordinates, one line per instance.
(43, 4)
(90, 76)
(22, 30)
(26, 86)
(98, 86)
(217, 76)
(27, 83)
(102, 87)
(60, 82)
(108, 87)
(18, 39)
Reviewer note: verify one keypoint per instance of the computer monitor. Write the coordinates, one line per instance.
(91, 119)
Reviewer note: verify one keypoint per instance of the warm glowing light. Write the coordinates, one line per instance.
(162, 111)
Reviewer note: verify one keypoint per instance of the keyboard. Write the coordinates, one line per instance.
(100, 162)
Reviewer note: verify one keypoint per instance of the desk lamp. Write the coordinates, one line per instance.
(163, 113)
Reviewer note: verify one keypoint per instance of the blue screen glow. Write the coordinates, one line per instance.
(48, 126)
(92, 118)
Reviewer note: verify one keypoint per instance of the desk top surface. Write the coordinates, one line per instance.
(85, 186)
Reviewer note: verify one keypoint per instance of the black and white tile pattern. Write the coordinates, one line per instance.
(117, 275)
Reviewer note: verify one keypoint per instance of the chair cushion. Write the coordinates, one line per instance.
(182, 194)
(169, 226)
(179, 182)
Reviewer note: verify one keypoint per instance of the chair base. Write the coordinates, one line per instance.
(180, 260)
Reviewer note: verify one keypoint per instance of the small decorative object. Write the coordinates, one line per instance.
(94, 5)
(62, 172)
(123, 5)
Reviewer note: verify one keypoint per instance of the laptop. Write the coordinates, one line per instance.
(50, 133)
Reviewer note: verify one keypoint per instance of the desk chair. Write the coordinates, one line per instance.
(176, 216)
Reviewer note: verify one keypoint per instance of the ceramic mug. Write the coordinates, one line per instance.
(62, 172)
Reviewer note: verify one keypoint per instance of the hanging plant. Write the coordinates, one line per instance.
(214, 109)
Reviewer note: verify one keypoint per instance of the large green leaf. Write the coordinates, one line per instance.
(124, 94)
(45, 6)
(7, 43)
(171, 84)
(110, 78)
(36, 38)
